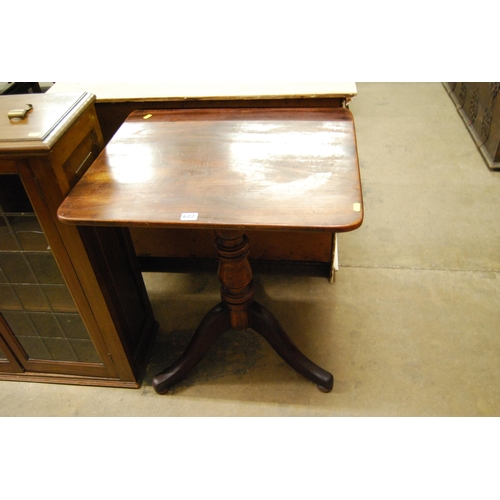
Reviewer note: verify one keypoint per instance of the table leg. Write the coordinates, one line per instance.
(264, 323)
(239, 311)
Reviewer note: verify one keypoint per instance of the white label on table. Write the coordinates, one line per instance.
(189, 216)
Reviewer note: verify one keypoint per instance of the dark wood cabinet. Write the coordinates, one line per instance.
(73, 306)
(479, 107)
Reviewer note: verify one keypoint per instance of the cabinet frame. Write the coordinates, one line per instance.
(48, 173)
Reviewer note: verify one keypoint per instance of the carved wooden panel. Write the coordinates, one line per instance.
(479, 107)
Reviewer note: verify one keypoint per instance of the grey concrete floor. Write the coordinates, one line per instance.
(411, 325)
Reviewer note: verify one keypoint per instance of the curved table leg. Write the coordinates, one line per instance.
(216, 322)
(264, 323)
(239, 311)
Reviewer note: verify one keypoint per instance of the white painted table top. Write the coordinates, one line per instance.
(112, 92)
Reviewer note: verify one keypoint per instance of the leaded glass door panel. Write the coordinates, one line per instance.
(40, 322)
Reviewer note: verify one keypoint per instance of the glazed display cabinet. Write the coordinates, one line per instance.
(73, 306)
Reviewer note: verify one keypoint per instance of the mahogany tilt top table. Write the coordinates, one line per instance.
(229, 170)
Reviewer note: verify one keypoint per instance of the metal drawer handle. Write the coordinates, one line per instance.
(19, 113)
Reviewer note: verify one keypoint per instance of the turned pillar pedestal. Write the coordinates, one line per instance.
(238, 311)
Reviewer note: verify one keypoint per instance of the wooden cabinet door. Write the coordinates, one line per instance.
(8, 362)
(40, 324)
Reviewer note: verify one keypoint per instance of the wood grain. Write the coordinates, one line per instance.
(244, 168)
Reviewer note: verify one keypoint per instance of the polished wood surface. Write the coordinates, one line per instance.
(51, 116)
(116, 100)
(229, 170)
(260, 169)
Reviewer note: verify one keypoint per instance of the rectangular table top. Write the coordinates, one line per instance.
(174, 91)
(240, 168)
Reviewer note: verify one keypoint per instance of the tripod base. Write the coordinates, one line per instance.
(216, 322)
(238, 310)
